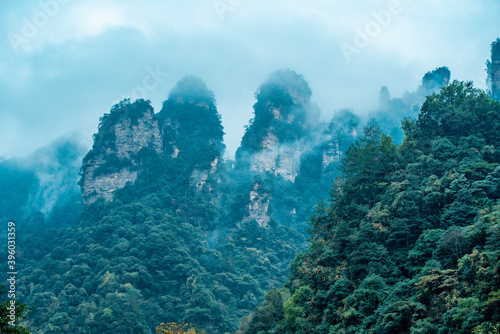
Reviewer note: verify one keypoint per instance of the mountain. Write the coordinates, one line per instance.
(43, 186)
(392, 111)
(171, 232)
(166, 234)
(493, 69)
(285, 143)
(274, 140)
(409, 242)
(124, 135)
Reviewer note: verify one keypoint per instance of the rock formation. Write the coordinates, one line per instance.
(384, 98)
(191, 128)
(259, 205)
(187, 127)
(493, 68)
(283, 117)
(112, 162)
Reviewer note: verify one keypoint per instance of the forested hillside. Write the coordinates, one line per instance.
(354, 225)
(409, 241)
(43, 187)
(175, 245)
(249, 167)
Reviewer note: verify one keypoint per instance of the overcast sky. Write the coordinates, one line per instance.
(64, 63)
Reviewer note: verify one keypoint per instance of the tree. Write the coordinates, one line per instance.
(365, 165)
(177, 328)
(21, 312)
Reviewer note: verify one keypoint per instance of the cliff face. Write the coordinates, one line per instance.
(187, 128)
(199, 177)
(285, 143)
(191, 129)
(494, 70)
(340, 134)
(283, 117)
(131, 138)
(331, 154)
(113, 160)
(259, 205)
(277, 159)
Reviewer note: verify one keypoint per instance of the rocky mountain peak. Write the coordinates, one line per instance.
(283, 84)
(434, 80)
(112, 161)
(188, 127)
(283, 117)
(493, 68)
(192, 90)
(191, 125)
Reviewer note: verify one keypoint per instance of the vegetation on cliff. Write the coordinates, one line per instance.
(409, 242)
(493, 69)
(165, 250)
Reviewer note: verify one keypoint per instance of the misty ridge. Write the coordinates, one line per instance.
(381, 222)
(50, 175)
(47, 180)
(250, 167)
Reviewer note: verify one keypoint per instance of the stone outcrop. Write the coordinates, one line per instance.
(283, 117)
(332, 153)
(104, 186)
(131, 138)
(112, 162)
(494, 70)
(384, 98)
(191, 129)
(259, 206)
(285, 142)
(341, 132)
(188, 126)
(199, 177)
(277, 159)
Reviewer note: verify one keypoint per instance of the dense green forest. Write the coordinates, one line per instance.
(163, 250)
(355, 225)
(409, 241)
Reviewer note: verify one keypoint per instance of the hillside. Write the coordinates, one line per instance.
(409, 241)
(402, 231)
(167, 234)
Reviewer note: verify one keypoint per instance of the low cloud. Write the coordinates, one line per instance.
(91, 53)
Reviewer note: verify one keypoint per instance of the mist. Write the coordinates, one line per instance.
(65, 63)
(45, 183)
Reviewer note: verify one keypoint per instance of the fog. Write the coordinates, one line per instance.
(64, 63)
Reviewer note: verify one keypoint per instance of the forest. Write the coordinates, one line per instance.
(383, 224)
(409, 240)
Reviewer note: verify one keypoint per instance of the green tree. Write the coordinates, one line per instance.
(21, 312)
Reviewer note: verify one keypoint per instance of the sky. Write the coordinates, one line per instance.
(64, 63)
